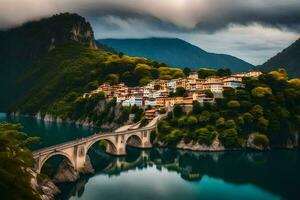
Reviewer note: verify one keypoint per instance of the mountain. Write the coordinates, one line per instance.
(59, 79)
(176, 52)
(289, 59)
(23, 45)
(50, 74)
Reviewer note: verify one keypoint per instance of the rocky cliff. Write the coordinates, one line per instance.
(22, 46)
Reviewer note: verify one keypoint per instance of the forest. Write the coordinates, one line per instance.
(267, 107)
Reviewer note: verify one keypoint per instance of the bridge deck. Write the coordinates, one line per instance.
(84, 140)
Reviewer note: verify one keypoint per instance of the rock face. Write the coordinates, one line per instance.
(252, 145)
(88, 168)
(215, 146)
(86, 122)
(31, 41)
(292, 144)
(66, 173)
(49, 189)
(46, 189)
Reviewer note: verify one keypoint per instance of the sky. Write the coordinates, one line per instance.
(253, 30)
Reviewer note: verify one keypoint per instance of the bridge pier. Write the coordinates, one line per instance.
(79, 157)
(120, 146)
(146, 144)
(76, 151)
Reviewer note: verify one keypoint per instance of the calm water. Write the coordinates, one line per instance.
(170, 174)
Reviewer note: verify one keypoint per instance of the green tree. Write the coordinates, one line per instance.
(180, 92)
(112, 78)
(205, 136)
(204, 117)
(230, 124)
(261, 91)
(144, 81)
(187, 71)
(204, 73)
(257, 111)
(192, 121)
(182, 121)
(280, 74)
(261, 139)
(163, 127)
(142, 70)
(229, 137)
(229, 93)
(243, 95)
(248, 118)
(223, 72)
(92, 85)
(15, 162)
(233, 104)
(177, 111)
(208, 94)
(178, 74)
(263, 124)
(220, 123)
(196, 108)
(155, 73)
(174, 136)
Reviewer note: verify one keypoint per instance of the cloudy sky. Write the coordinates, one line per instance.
(253, 30)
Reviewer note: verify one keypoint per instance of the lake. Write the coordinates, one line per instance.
(167, 174)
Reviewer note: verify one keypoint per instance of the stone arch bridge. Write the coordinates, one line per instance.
(76, 151)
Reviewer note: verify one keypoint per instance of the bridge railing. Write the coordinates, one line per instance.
(91, 137)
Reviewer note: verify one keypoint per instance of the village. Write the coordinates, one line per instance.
(161, 93)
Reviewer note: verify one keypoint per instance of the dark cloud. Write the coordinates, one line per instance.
(217, 14)
(176, 15)
(253, 30)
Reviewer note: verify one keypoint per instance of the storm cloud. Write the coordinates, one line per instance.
(191, 20)
(185, 15)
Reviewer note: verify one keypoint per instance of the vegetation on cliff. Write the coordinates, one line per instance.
(15, 162)
(22, 46)
(57, 81)
(268, 105)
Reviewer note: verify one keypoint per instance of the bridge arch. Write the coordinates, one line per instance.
(111, 148)
(65, 155)
(134, 139)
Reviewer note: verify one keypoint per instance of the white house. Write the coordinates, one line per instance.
(216, 87)
(150, 102)
(133, 100)
(253, 73)
(120, 98)
(232, 81)
(172, 84)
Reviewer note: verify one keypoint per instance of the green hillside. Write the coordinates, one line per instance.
(55, 84)
(267, 108)
(22, 46)
(47, 65)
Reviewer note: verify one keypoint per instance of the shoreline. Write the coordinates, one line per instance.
(58, 120)
(216, 146)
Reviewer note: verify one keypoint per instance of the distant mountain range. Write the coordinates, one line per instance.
(177, 53)
(289, 59)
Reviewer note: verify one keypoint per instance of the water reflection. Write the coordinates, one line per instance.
(233, 175)
(171, 174)
(50, 133)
